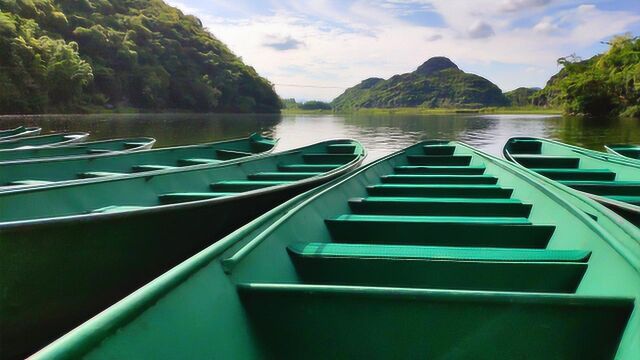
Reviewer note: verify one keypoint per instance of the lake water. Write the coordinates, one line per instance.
(381, 134)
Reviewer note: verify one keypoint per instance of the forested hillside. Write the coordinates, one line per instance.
(606, 84)
(67, 55)
(436, 83)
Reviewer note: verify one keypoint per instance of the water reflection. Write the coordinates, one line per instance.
(381, 134)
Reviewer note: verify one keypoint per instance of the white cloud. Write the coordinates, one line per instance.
(517, 5)
(480, 30)
(338, 45)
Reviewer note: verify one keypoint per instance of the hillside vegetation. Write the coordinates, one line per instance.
(606, 84)
(436, 83)
(60, 56)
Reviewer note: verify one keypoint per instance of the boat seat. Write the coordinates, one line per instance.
(453, 191)
(439, 206)
(96, 174)
(223, 154)
(438, 179)
(432, 324)
(150, 167)
(244, 185)
(197, 161)
(28, 182)
(576, 174)
(279, 175)
(481, 231)
(341, 148)
(328, 158)
(439, 267)
(438, 149)
(547, 161)
(630, 188)
(133, 145)
(308, 167)
(173, 198)
(441, 160)
(117, 209)
(440, 170)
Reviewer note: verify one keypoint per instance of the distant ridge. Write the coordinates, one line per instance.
(438, 82)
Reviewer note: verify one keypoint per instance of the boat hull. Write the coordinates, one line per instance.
(56, 273)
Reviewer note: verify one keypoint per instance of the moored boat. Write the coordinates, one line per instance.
(83, 149)
(609, 179)
(19, 132)
(21, 174)
(627, 150)
(437, 251)
(58, 139)
(96, 241)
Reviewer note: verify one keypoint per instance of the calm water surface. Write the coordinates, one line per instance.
(381, 134)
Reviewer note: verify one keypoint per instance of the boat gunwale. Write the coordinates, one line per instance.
(35, 130)
(78, 137)
(611, 150)
(27, 224)
(148, 144)
(225, 141)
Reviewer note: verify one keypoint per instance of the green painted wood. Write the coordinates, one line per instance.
(440, 206)
(558, 271)
(547, 161)
(577, 174)
(245, 185)
(438, 179)
(627, 150)
(438, 149)
(18, 132)
(197, 161)
(560, 281)
(100, 239)
(440, 170)
(439, 160)
(27, 142)
(341, 149)
(67, 168)
(327, 159)
(467, 191)
(280, 175)
(606, 178)
(308, 167)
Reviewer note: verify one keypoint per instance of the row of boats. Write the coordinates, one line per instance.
(227, 250)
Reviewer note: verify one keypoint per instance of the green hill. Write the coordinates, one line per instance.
(436, 83)
(65, 55)
(521, 96)
(607, 84)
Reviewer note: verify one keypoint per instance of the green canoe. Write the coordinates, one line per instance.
(43, 172)
(626, 150)
(435, 252)
(69, 251)
(43, 140)
(611, 180)
(83, 149)
(18, 132)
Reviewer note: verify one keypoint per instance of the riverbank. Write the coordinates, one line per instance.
(430, 111)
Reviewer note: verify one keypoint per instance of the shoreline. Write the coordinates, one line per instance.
(428, 111)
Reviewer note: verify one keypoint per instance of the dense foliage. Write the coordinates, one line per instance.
(61, 55)
(607, 84)
(521, 96)
(307, 105)
(436, 83)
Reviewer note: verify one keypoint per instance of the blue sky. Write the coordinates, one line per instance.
(314, 49)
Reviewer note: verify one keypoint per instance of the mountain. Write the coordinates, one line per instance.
(65, 55)
(521, 96)
(436, 83)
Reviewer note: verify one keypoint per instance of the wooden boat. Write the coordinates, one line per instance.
(83, 149)
(28, 142)
(438, 251)
(608, 179)
(44, 172)
(627, 150)
(69, 251)
(18, 132)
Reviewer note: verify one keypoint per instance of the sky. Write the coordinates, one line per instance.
(315, 49)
